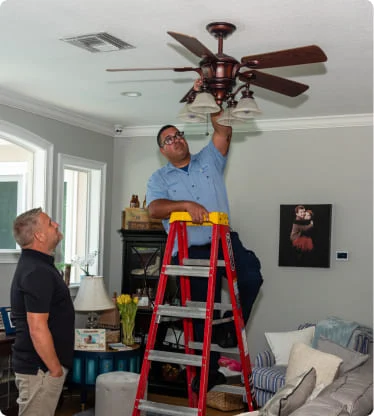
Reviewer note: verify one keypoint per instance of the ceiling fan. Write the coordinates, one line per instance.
(220, 72)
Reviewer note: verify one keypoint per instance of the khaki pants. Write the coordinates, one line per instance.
(38, 394)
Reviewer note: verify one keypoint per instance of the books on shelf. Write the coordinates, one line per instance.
(119, 346)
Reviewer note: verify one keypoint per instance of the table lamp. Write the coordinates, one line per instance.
(92, 297)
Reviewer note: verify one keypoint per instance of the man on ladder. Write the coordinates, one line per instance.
(195, 184)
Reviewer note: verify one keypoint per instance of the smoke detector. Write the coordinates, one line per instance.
(98, 42)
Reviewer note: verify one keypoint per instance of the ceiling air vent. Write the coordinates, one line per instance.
(98, 42)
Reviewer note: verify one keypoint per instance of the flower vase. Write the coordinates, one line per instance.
(128, 332)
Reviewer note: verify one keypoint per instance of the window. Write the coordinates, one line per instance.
(25, 181)
(80, 211)
(12, 202)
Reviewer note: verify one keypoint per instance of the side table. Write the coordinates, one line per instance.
(87, 365)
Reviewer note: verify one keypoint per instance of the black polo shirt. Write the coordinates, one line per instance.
(39, 288)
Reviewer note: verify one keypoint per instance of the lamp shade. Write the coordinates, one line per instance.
(188, 116)
(228, 118)
(204, 103)
(92, 295)
(245, 108)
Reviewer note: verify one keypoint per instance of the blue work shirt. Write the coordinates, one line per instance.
(202, 183)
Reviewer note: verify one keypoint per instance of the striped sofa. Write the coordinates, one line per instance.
(269, 378)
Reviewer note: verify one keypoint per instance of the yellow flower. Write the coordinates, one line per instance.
(127, 307)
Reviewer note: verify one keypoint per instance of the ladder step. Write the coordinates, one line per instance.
(213, 347)
(192, 310)
(175, 357)
(228, 388)
(181, 311)
(166, 409)
(192, 271)
(202, 262)
(217, 306)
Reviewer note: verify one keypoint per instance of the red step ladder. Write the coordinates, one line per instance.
(189, 310)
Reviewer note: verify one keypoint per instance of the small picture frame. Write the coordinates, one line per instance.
(89, 340)
(7, 321)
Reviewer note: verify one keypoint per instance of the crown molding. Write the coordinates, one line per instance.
(53, 112)
(258, 125)
(41, 108)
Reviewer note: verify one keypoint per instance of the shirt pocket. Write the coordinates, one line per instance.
(206, 175)
(174, 190)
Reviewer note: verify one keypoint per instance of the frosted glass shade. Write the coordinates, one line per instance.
(204, 103)
(92, 295)
(228, 119)
(188, 116)
(245, 108)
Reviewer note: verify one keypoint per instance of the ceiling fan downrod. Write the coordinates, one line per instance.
(220, 30)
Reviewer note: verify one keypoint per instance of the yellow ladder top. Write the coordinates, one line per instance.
(214, 218)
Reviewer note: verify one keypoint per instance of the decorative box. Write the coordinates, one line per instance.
(139, 219)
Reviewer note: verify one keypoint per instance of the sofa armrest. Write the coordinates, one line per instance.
(265, 359)
(361, 339)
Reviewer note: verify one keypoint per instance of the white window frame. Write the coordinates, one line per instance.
(65, 161)
(21, 191)
(42, 171)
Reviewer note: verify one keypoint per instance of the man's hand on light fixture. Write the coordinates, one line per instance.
(197, 84)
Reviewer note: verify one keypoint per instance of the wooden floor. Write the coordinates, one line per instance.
(71, 404)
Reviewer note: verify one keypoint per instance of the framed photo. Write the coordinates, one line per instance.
(7, 321)
(305, 235)
(89, 340)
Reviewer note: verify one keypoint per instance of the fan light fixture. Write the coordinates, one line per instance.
(204, 103)
(246, 106)
(199, 104)
(189, 116)
(228, 118)
(220, 73)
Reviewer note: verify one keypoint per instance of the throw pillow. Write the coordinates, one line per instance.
(351, 359)
(281, 343)
(303, 357)
(325, 406)
(291, 396)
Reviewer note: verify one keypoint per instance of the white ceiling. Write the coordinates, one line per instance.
(41, 73)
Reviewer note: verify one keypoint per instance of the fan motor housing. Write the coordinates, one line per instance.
(220, 76)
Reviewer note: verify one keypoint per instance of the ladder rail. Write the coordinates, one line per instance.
(185, 289)
(238, 316)
(204, 373)
(154, 323)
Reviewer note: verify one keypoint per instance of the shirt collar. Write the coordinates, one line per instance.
(35, 253)
(170, 166)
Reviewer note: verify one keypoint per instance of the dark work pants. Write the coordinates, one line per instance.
(249, 282)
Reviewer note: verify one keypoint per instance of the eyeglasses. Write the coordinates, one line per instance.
(171, 139)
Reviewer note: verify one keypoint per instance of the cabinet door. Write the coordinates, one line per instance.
(143, 268)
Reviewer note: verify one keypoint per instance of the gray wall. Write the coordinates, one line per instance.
(319, 165)
(266, 169)
(72, 141)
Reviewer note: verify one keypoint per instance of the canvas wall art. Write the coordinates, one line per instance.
(305, 235)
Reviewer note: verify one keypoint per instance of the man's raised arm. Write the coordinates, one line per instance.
(221, 135)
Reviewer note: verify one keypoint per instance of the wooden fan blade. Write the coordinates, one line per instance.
(296, 56)
(273, 83)
(193, 45)
(182, 69)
